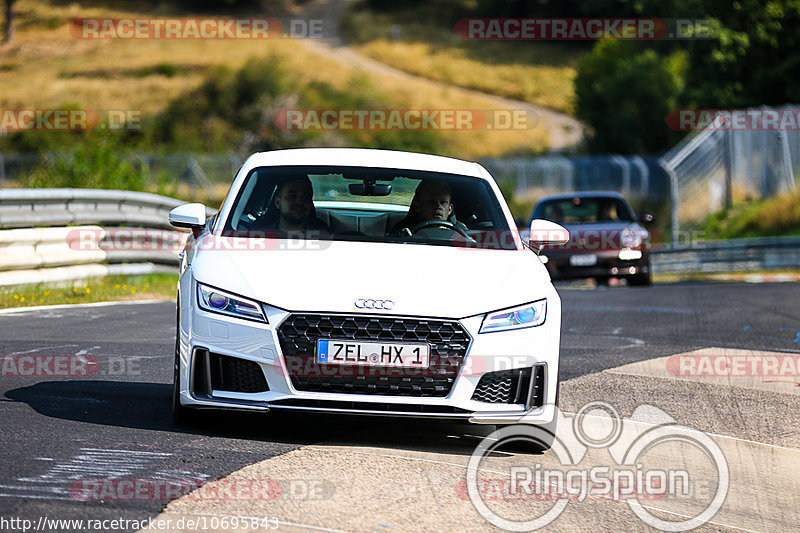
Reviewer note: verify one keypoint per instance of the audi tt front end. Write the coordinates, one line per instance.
(451, 319)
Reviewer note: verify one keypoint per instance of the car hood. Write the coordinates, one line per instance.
(421, 280)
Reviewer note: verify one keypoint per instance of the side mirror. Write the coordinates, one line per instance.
(646, 217)
(545, 232)
(192, 216)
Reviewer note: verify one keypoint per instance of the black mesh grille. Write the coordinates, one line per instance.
(497, 387)
(512, 386)
(236, 375)
(298, 335)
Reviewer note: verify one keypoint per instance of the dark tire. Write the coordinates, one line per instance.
(541, 436)
(535, 439)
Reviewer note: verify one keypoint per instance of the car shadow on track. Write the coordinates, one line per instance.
(146, 406)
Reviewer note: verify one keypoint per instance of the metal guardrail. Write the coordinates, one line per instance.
(49, 235)
(734, 255)
(21, 208)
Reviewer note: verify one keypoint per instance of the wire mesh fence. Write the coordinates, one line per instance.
(203, 172)
(723, 164)
(634, 176)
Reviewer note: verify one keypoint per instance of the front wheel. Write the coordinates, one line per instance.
(529, 438)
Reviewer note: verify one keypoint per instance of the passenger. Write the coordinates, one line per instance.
(294, 212)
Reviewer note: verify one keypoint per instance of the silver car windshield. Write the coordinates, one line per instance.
(585, 210)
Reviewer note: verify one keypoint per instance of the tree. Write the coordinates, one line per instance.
(750, 59)
(9, 33)
(624, 91)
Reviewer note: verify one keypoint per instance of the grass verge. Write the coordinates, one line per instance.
(45, 67)
(773, 217)
(738, 277)
(539, 73)
(109, 288)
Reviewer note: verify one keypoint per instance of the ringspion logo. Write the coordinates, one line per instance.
(600, 456)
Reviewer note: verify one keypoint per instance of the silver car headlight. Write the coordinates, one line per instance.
(523, 316)
(217, 301)
(632, 237)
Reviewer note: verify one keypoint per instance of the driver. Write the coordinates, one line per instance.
(432, 201)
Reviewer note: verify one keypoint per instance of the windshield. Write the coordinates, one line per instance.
(584, 210)
(369, 204)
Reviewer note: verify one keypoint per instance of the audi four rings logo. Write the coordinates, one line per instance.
(369, 303)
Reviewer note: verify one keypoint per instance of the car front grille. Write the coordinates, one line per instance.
(448, 342)
(518, 386)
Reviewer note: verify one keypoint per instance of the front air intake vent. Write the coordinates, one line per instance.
(216, 372)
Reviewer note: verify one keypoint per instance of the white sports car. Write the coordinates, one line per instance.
(367, 282)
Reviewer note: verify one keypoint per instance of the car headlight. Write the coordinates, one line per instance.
(524, 316)
(217, 301)
(631, 237)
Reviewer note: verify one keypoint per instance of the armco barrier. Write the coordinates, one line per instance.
(734, 255)
(24, 208)
(40, 230)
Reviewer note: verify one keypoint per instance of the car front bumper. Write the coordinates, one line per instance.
(529, 356)
(607, 265)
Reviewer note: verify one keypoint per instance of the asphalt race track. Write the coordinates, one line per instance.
(116, 424)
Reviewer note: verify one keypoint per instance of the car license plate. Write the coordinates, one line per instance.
(582, 260)
(345, 352)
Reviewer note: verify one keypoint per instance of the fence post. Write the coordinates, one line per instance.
(787, 160)
(644, 170)
(674, 199)
(764, 193)
(728, 157)
(625, 168)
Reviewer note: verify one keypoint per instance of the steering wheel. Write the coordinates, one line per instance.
(446, 224)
